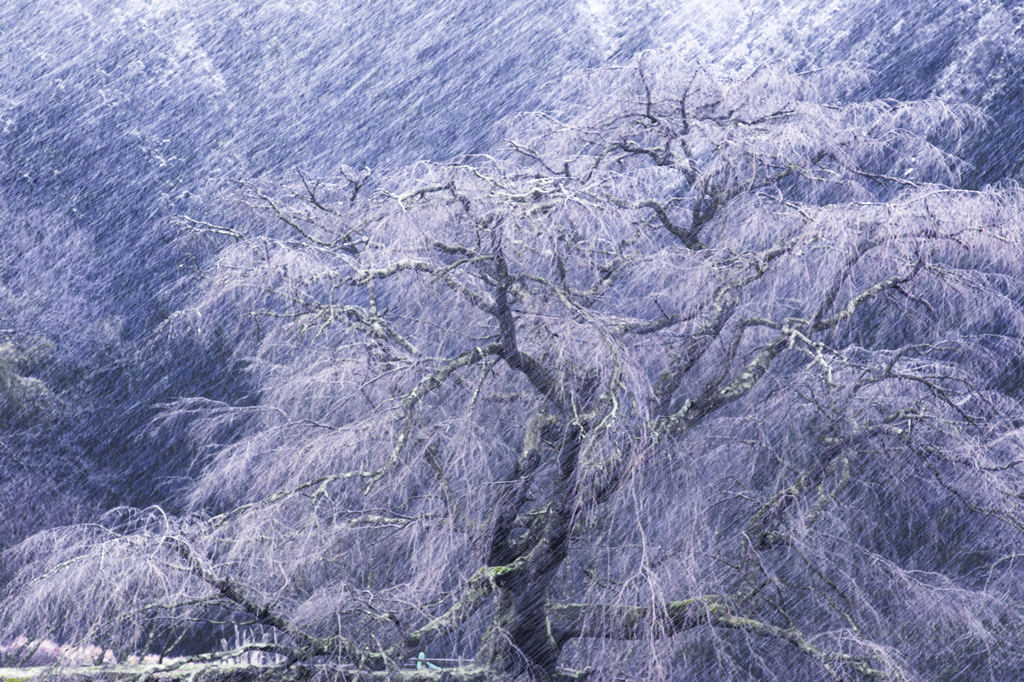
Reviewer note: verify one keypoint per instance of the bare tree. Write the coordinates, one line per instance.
(697, 377)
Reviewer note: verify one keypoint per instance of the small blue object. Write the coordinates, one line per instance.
(421, 659)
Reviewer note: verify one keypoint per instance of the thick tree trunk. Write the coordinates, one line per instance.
(519, 641)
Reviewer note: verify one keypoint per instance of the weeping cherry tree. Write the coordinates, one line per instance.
(695, 378)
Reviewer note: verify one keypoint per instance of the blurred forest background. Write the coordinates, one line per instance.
(123, 121)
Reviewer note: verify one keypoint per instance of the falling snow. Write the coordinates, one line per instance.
(607, 340)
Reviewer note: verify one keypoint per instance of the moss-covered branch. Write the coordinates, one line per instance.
(570, 621)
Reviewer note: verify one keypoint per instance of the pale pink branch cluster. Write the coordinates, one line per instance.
(50, 653)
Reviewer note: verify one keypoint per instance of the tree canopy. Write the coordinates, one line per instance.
(693, 376)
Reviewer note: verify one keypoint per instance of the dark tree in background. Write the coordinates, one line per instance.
(695, 378)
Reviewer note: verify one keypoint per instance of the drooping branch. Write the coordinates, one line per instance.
(477, 588)
(721, 304)
(872, 291)
(689, 237)
(762, 530)
(424, 386)
(345, 244)
(693, 411)
(570, 621)
(234, 593)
